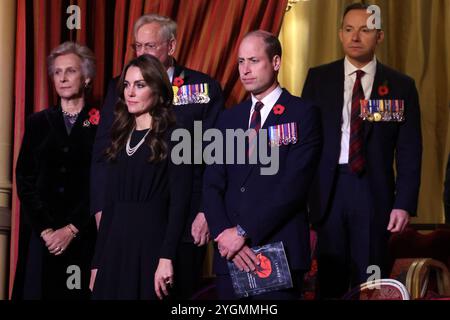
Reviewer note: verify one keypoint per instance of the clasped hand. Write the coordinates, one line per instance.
(232, 247)
(58, 240)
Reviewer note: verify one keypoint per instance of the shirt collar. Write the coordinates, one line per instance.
(270, 99)
(170, 73)
(369, 68)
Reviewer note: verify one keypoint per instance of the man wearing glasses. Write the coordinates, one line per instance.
(198, 98)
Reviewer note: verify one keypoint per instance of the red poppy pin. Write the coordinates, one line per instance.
(94, 117)
(383, 90)
(178, 81)
(278, 109)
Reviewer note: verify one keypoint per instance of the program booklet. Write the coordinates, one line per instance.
(272, 274)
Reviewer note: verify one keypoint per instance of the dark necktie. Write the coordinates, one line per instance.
(255, 123)
(356, 159)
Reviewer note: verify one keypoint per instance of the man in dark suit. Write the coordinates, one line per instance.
(356, 201)
(245, 208)
(198, 98)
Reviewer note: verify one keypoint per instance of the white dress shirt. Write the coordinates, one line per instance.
(367, 83)
(170, 73)
(268, 101)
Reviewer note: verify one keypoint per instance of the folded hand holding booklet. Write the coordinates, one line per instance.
(272, 274)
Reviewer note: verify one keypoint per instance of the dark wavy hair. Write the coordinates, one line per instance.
(163, 116)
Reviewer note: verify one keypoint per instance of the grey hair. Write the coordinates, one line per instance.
(168, 26)
(84, 53)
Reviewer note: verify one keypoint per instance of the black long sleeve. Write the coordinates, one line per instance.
(35, 209)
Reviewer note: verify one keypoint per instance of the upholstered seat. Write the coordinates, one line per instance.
(413, 244)
(421, 261)
(381, 289)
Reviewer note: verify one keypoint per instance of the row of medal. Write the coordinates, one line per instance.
(191, 93)
(283, 134)
(382, 110)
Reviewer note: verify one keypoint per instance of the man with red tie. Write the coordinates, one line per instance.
(356, 200)
(245, 208)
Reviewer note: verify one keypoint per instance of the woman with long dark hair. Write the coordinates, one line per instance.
(147, 197)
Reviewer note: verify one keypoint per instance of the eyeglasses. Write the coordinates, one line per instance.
(149, 46)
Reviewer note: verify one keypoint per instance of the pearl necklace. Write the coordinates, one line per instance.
(130, 151)
(70, 115)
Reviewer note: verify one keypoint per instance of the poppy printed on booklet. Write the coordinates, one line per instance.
(272, 273)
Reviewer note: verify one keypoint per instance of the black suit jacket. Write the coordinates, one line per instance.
(186, 115)
(269, 208)
(382, 141)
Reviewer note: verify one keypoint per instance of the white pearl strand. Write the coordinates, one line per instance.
(130, 151)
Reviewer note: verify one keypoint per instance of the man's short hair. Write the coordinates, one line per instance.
(273, 45)
(355, 6)
(168, 26)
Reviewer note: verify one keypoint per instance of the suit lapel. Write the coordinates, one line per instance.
(78, 126)
(272, 119)
(179, 71)
(56, 121)
(337, 85)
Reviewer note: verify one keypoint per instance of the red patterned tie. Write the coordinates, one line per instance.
(255, 123)
(356, 159)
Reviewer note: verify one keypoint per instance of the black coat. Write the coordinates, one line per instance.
(52, 177)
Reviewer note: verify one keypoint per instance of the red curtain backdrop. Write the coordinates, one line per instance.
(209, 32)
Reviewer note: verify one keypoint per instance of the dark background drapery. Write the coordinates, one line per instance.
(208, 35)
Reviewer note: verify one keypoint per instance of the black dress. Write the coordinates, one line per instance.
(142, 221)
(52, 177)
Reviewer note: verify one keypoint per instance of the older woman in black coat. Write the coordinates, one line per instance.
(57, 234)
